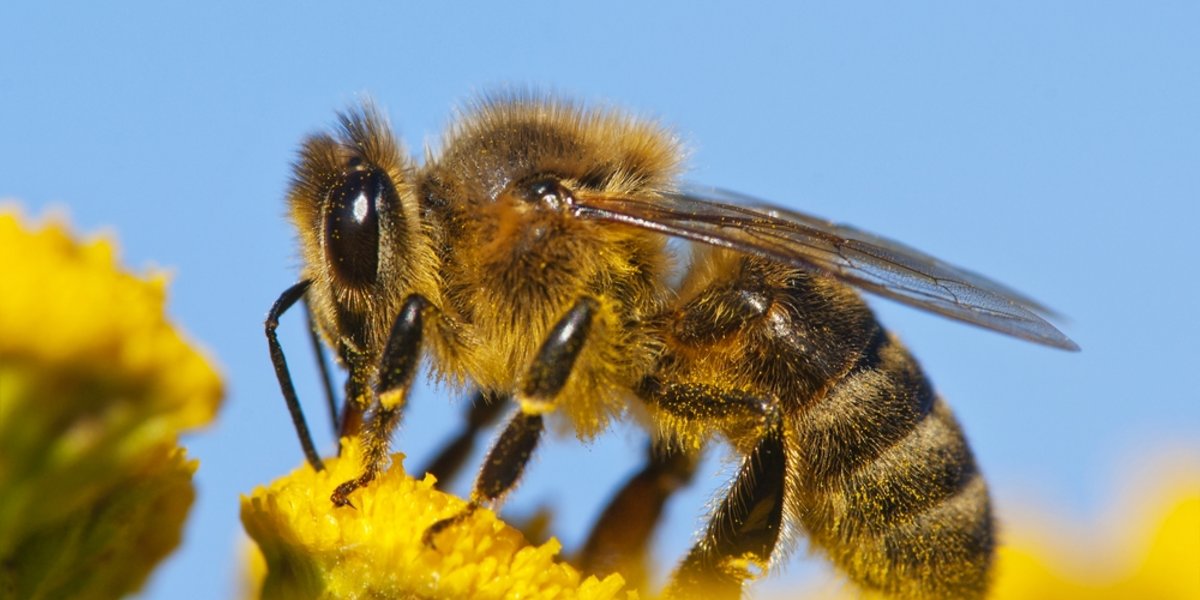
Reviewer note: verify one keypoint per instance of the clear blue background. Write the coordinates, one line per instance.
(1053, 146)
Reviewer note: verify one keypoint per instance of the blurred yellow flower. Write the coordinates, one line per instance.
(313, 550)
(95, 387)
(1154, 552)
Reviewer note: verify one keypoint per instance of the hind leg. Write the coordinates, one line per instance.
(484, 410)
(618, 540)
(744, 531)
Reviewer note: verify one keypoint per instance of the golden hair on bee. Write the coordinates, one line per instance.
(515, 264)
(528, 257)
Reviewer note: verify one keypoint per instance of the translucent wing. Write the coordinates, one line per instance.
(856, 257)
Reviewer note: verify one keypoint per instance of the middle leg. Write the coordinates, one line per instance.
(484, 410)
(543, 382)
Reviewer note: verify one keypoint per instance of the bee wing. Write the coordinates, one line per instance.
(864, 260)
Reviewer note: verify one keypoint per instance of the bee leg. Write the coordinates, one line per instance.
(501, 469)
(359, 396)
(485, 408)
(746, 526)
(314, 338)
(285, 301)
(543, 381)
(620, 536)
(398, 363)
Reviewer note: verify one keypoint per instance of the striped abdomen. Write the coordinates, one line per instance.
(885, 483)
(878, 474)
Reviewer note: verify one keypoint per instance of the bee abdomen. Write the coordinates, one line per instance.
(888, 486)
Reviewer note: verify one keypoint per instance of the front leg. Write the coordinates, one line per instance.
(397, 365)
(543, 382)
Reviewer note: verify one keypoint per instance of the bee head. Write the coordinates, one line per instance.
(354, 206)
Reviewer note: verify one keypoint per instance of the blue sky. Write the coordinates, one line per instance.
(1052, 146)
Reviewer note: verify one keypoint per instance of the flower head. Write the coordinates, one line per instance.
(95, 387)
(1153, 552)
(375, 550)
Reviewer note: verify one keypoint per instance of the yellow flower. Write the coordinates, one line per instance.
(1155, 555)
(313, 550)
(95, 387)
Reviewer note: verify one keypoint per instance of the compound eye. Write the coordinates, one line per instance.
(352, 225)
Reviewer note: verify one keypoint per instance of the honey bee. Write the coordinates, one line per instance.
(529, 258)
